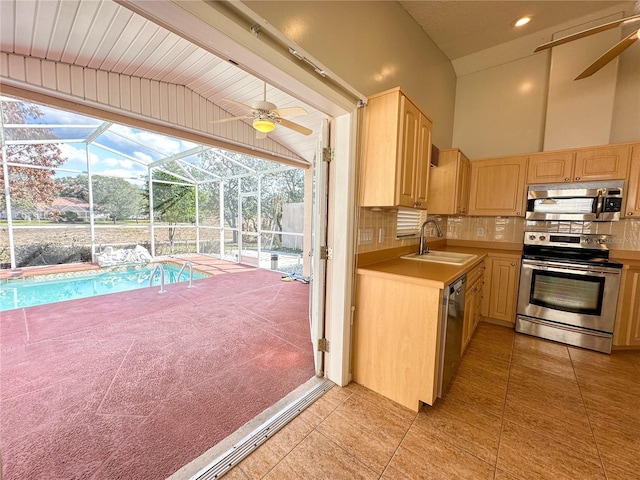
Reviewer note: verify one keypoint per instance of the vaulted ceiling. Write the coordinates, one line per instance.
(105, 35)
(461, 28)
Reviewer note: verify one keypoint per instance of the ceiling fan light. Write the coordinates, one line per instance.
(522, 21)
(263, 125)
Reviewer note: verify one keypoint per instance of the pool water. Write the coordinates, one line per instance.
(20, 293)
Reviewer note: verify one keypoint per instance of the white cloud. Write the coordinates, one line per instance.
(118, 167)
(110, 162)
(159, 143)
(143, 157)
(93, 158)
(76, 156)
(122, 173)
(61, 117)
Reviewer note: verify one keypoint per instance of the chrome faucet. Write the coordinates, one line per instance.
(423, 248)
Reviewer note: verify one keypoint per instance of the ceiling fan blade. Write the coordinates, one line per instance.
(612, 53)
(294, 126)
(230, 119)
(287, 112)
(237, 104)
(587, 32)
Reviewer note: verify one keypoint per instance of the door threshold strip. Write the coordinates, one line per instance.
(251, 442)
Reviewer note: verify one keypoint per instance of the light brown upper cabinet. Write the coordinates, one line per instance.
(497, 187)
(633, 185)
(583, 165)
(449, 184)
(553, 167)
(397, 152)
(602, 163)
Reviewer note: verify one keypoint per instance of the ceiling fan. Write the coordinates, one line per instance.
(610, 54)
(266, 116)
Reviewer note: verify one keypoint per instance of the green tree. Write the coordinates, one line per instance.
(75, 187)
(172, 203)
(30, 188)
(277, 188)
(116, 197)
(228, 166)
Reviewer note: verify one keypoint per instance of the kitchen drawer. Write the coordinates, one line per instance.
(473, 275)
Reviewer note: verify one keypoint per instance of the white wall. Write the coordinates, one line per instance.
(579, 112)
(501, 110)
(625, 125)
(373, 46)
(504, 105)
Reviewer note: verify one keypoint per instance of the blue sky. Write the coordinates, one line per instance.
(139, 147)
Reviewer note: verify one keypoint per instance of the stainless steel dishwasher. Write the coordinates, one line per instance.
(451, 332)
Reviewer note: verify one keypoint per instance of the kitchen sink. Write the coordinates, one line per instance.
(452, 258)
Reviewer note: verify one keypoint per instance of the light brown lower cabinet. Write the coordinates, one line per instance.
(472, 303)
(502, 277)
(396, 339)
(627, 329)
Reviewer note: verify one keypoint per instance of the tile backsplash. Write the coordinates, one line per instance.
(625, 233)
(486, 229)
(386, 221)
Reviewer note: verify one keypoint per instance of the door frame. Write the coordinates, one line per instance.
(319, 233)
(341, 234)
(225, 35)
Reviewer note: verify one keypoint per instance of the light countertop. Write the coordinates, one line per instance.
(431, 274)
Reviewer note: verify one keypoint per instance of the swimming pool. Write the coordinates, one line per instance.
(28, 292)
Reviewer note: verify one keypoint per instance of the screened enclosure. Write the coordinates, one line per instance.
(75, 185)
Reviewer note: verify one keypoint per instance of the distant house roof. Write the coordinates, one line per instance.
(61, 202)
(67, 204)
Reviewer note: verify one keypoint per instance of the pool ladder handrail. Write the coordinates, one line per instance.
(153, 274)
(190, 265)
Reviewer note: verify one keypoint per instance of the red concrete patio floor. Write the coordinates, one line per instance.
(138, 384)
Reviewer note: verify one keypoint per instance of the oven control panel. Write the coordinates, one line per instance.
(572, 240)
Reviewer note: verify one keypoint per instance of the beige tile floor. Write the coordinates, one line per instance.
(519, 408)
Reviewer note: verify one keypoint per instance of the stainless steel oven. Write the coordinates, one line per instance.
(568, 289)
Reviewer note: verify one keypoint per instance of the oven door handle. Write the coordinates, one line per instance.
(599, 202)
(573, 268)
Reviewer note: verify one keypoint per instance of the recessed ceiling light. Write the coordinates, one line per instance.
(521, 21)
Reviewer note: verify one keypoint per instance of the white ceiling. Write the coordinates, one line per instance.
(104, 35)
(461, 28)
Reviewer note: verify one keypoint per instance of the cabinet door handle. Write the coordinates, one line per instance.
(518, 214)
(577, 178)
(566, 179)
(629, 213)
(513, 264)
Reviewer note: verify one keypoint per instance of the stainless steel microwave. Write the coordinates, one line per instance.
(583, 202)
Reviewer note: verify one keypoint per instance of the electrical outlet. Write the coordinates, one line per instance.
(480, 232)
(365, 236)
(381, 235)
